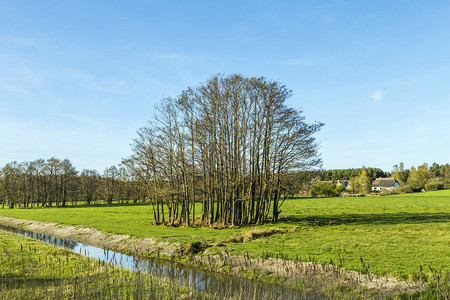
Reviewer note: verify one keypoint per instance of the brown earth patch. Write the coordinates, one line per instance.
(254, 234)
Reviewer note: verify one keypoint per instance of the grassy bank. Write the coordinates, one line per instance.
(31, 269)
(405, 236)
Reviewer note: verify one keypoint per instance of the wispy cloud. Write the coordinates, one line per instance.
(78, 74)
(158, 82)
(23, 41)
(20, 79)
(171, 56)
(378, 95)
(92, 81)
(11, 88)
(293, 62)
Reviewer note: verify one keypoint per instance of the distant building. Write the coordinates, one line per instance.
(380, 184)
(345, 183)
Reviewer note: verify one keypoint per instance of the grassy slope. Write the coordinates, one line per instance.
(393, 234)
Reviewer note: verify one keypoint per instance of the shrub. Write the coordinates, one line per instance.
(388, 192)
(327, 189)
(405, 189)
(434, 186)
(340, 188)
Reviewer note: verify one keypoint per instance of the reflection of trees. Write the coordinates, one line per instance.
(41, 237)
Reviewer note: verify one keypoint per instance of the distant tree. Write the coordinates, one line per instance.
(41, 188)
(111, 177)
(326, 189)
(11, 184)
(446, 175)
(354, 185)
(68, 182)
(413, 180)
(400, 174)
(340, 188)
(365, 183)
(418, 177)
(2, 189)
(436, 171)
(90, 181)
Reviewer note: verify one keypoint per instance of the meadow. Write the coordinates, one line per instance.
(405, 236)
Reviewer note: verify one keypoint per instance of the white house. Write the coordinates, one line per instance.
(380, 184)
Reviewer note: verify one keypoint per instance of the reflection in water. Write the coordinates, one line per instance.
(200, 280)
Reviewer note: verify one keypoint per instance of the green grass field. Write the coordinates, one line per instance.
(391, 235)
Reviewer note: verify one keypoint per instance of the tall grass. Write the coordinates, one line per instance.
(33, 270)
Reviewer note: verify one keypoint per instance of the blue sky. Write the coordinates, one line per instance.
(79, 78)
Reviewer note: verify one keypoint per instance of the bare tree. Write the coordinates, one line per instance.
(90, 180)
(227, 144)
(55, 181)
(11, 174)
(111, 177)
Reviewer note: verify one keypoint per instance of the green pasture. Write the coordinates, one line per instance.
(394, 235)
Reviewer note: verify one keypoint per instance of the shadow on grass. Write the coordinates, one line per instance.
(18, 281)
(366, 219)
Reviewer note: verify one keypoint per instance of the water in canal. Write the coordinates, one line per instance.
(200, 280)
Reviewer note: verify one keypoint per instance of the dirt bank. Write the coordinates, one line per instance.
(94, 237)
(314, 275)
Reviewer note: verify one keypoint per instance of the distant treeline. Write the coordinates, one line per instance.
(302, 182)
(426, 177)
(57, 182)
(347, 174)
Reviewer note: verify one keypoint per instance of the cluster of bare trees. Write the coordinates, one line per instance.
(56, 182)
(227, 144)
